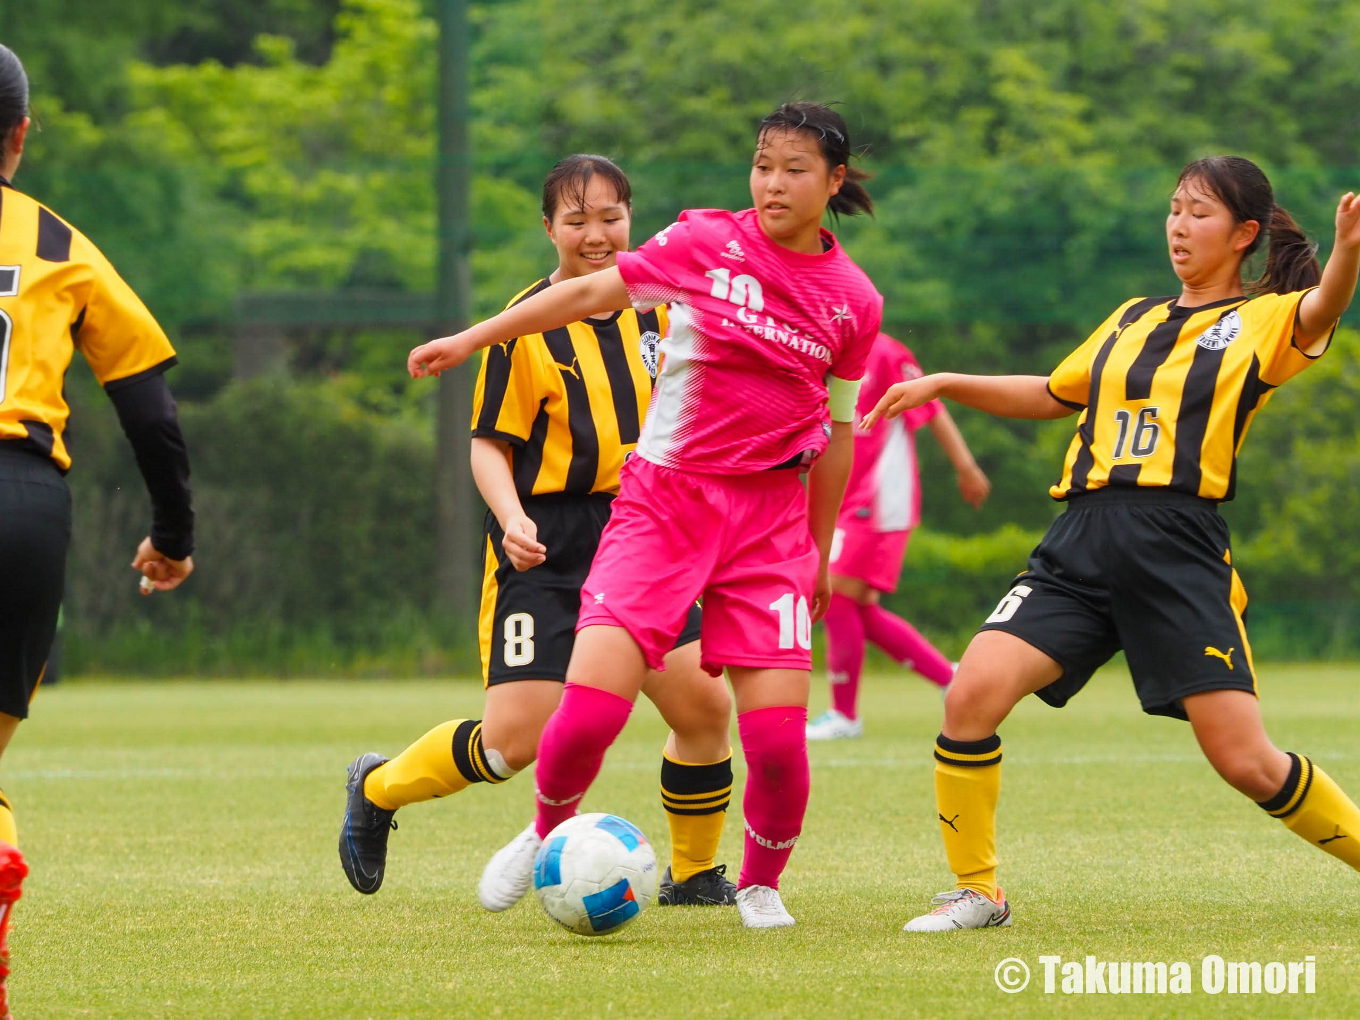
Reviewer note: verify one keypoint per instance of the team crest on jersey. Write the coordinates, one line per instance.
(650, 346)
(1221, 333)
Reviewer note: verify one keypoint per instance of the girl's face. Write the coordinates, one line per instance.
(588, 228)
(1201, 234)
(791, 183)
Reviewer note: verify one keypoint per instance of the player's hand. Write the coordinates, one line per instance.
(1348, 220)
(901, 397)
(164, 573)
(521, 543)
(438, 355)
(974, 486)
(821, 592)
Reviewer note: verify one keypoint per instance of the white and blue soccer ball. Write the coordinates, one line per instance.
(595, 873)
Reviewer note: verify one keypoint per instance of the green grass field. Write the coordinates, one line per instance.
(183, 844)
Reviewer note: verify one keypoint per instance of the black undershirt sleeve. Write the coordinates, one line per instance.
(150, 420)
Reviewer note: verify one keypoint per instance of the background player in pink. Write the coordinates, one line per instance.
(882, 505)
(771, 325)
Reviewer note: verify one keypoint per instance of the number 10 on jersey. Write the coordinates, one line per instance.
(795, 622)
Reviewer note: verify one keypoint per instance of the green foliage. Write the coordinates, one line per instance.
(1023, 156)
(314, 528)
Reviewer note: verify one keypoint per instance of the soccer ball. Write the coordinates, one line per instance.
(595, 873)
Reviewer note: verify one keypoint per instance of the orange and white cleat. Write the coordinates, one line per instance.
(963, 908)
(13, 871)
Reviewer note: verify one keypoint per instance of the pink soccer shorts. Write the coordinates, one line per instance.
(739, 542)
(875, 557)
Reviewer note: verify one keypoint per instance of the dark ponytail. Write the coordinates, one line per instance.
(828, 127)
(13, 91)
(1291, 258)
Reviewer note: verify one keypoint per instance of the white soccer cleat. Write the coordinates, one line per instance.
(963, 908)
(510, 871)
(833, 725)
(761, 907)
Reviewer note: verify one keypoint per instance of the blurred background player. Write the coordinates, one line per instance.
(770, 329)
(554, 416)
(58, 294)
(882, 505)
(1141, 560)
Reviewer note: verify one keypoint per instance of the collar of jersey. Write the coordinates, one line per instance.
(1185, 311)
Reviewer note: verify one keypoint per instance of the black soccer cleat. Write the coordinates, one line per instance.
(363, 834)
(706, 889)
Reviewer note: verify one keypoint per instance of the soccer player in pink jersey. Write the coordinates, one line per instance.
(771, 325)
(882, 505)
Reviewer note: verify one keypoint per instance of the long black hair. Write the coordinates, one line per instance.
(1291, 259)
(828, 127)
(13, 91)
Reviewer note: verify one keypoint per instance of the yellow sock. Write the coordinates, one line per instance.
(447, 759)
(695, 798)
(967, 784)
(9, 831)
(1312, 806)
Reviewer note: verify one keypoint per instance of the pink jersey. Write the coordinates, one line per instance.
(754, 331)
(884, 493)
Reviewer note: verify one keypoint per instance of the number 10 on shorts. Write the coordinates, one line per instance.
(795, 624)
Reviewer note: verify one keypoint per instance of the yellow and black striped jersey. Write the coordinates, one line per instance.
(570, 401)
(1167, 393)
(59, 294)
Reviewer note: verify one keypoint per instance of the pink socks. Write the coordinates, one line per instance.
(777, 783)
(904, 643)
(572, 749)
(844, 653)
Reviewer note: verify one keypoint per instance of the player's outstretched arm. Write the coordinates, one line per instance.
(1320, 308)
(1006, 396)
(558, 305)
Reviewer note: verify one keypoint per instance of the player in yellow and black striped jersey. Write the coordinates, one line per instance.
(554, 416)
(1154, 378)
(58, 294)
(1141, 561)
(570, 402)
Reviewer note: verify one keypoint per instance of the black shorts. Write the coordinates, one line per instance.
(527, 626)
(35, 530)
(1146, 570)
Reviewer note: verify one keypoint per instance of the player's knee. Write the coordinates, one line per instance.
(519, 755)
(1247, 772)
(970, 710)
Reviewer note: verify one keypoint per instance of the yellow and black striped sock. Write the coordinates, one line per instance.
(447, 759)
(695, 798)
(9, 831)
(1313, 807)
(967, 785)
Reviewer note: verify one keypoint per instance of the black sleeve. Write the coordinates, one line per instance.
(147, 412)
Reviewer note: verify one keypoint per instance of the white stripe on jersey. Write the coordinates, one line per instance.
(675, 401)
(895, 480)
